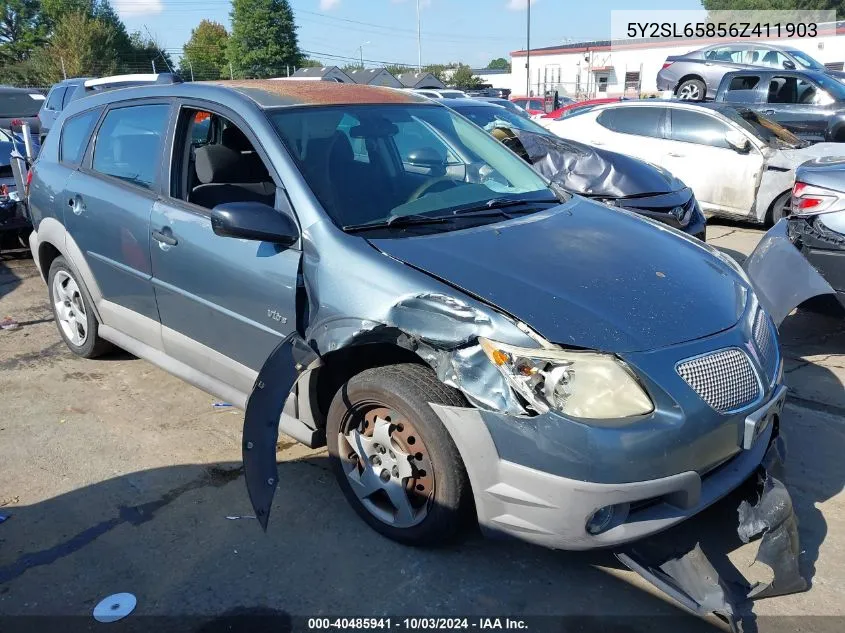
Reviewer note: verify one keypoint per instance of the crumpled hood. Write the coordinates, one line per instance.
(584, 275)
(594, 171)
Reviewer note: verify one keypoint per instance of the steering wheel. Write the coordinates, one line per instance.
(426, 186)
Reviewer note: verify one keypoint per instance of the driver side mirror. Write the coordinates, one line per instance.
(737, 140)
(253, 221)
(788, 64)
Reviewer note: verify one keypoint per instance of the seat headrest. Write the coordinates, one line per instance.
(217, 164)
(234, 139)
(341, 148)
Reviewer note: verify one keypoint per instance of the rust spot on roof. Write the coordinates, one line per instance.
(297, 92)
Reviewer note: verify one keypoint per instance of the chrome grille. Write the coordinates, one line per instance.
(767, 346)
(725, 379)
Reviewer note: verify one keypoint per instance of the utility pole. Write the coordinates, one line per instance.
(528, 51)
(64, 74)
(191, 66)
(419, 40)
(231, 72)
(153, 62)
(361, 51)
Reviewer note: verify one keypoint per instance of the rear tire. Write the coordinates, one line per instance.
(394, 460)
(692, 90)
(73, 312)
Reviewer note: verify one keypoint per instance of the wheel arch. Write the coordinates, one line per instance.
(768, 219)
(688, 77)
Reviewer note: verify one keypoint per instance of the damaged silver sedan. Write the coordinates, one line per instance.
(462, 334)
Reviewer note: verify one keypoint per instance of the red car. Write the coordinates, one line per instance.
(556, 114)
(532, 105)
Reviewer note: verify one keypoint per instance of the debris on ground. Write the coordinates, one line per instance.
(9, 324)
(8, 501)
(235, 517)
(115, 607)
(221, 405)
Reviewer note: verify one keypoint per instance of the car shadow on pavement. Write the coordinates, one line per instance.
(182, 539)
(9, 279)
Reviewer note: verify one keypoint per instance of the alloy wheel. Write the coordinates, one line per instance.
(690, 92)
(70, 308)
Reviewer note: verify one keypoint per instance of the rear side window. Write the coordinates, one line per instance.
(695, 127)
(639, 121)
(129, 143)
(54, 100)
(75, 133)
(743, 89)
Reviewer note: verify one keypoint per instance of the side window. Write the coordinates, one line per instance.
(215, 163)
(743, 89)
(54, 99)
(640, 121)
(770, 58)
(694, 127)
(128, 144)
(75, 134)
(69, 93)
(724, 54)
(784, 90)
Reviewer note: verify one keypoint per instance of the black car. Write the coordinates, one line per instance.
(810, 104)
(599, 174)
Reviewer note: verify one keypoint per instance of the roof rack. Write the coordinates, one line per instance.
(118, 81)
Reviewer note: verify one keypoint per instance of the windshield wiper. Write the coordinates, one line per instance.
(497, 204)
(397, 221)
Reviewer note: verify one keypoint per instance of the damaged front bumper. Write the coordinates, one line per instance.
(537, 506)
(694, 581)
(782, 276)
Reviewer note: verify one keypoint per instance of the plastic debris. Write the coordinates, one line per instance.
(9, 324)
(235, 517)
(3, 517)
(221, 405)
(115, 607)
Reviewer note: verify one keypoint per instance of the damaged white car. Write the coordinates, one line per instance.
(739, 164)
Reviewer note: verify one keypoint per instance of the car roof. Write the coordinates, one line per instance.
(776, 71)
(265, 93)
(12, 89)
(746, 45)
(452, 102)
(671, 103)
(486, 99)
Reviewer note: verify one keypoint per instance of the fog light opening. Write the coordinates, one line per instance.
(607, 517)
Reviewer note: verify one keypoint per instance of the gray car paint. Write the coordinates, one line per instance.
(580, 278)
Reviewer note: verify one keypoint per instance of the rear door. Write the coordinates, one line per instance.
(634, 130)
(723, 179)
(108, 204)
(51, 108)
(225, 303)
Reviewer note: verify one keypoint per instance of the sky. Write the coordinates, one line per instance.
(469, 31)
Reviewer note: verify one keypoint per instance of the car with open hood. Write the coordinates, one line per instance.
(365, 268)
(739, 164)
(596, 173)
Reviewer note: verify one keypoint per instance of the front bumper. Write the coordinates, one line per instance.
(550, 510)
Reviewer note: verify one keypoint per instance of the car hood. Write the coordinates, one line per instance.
(791, 158)
(585, 275)
(593, 171)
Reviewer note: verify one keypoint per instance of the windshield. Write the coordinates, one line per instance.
(763, 128)
(372, 163)
(20, 104)
(806, 61)
(490, 117)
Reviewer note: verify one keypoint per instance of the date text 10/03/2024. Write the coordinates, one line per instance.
(648, 30)
(417, 623)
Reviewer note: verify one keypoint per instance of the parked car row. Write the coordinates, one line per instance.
(368, 269)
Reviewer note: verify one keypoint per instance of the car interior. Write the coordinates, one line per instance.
(791, 90)
(220, 164)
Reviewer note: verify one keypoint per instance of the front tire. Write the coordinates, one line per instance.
(780, 208)
(73, 312)
(394, 460)
(692, 90)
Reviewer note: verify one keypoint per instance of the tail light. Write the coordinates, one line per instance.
(666, 65)
(809, 200)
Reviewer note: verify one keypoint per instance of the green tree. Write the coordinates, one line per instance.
(463, 78)
(144, 54)
(398, 69)
(263, 40)
(500, 63)
(80, 45)
(21, 30)
(437, 70)
(774, 5)
(204, 54)
(347, 67)
(310, 63)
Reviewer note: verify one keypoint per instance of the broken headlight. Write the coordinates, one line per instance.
(586, 385)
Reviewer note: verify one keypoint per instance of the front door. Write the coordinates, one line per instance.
(224, 303)
(723, 179)
(799, 105)
(108, 203)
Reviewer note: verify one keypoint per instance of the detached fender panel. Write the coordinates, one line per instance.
(277, 378)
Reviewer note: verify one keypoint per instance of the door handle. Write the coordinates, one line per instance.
(768, 112)
(165, 237)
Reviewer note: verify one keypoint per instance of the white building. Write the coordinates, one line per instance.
(630, 67)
